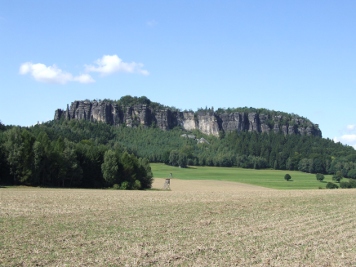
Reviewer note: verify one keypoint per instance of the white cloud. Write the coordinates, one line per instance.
(345, 140)
(52, 74)
(348, 137)
(106, 65)
(84, 78)
(351, 127)
(111, 64)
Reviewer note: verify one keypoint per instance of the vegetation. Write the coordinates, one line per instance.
(264, 178)
(71, 153)
(337, 176)
(129, 101)
(287, 177)
(320, 177)
(79, 153)
(351, 183)
(40, 156)
(330, 185)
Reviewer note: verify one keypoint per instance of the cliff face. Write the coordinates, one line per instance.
(208, 122)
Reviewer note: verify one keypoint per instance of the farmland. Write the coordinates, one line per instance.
(197, 223)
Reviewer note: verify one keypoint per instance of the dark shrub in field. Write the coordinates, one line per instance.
(331, 186)
(350, 184)
(345, 185)
(319, 177)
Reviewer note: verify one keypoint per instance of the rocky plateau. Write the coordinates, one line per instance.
(206, 121)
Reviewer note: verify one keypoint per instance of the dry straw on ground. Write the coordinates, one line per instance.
(197, 223)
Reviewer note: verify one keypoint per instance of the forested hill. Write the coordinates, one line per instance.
(81, 153)
(83, 148)
(134, 111)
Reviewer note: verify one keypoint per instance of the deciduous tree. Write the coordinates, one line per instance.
(110, 167)
(319, 177)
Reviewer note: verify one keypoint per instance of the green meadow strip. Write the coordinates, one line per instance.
(266, 178)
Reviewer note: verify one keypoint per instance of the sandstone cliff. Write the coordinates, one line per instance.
(206, 121)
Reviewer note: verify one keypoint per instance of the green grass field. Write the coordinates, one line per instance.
(266, 178)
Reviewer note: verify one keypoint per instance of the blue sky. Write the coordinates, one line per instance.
(291, 56)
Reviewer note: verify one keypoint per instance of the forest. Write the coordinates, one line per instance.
(79, 153)
(40, 156)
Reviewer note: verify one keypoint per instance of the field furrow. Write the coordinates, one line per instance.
(52, 227)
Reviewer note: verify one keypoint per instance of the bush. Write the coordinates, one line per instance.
(350, 184)
(352, 173)
(116, 186)
(337, 176)
(330, 185)
(124, 185)
(287, 177)
(345, 185)
(319, 177)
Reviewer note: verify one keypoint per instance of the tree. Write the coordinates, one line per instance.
(182, 160)
(146, 177)
(73, 171)
(18, 146)
(289, 164)
(287, 177)
(110, 167)
(337, 176)
(352, 173)
(2, 126)
(38, 162)
(303, 165)
(41, 159)
(130, 169)
(319, 177)
(318, 166)
(174, 157)
(275, 165)
(5, 177)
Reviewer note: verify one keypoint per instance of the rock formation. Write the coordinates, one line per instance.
(206, 121)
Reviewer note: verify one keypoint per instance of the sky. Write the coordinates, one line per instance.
(292, 56)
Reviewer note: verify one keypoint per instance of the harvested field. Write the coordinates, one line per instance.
(207, 224)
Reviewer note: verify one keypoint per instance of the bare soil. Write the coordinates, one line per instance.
(197, 223)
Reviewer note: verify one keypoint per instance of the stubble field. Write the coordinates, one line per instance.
(197, 223)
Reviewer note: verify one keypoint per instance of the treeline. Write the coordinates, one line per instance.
(86, 154)
(129, 101)
(241, 149)
(292, 152)
(36, 156)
